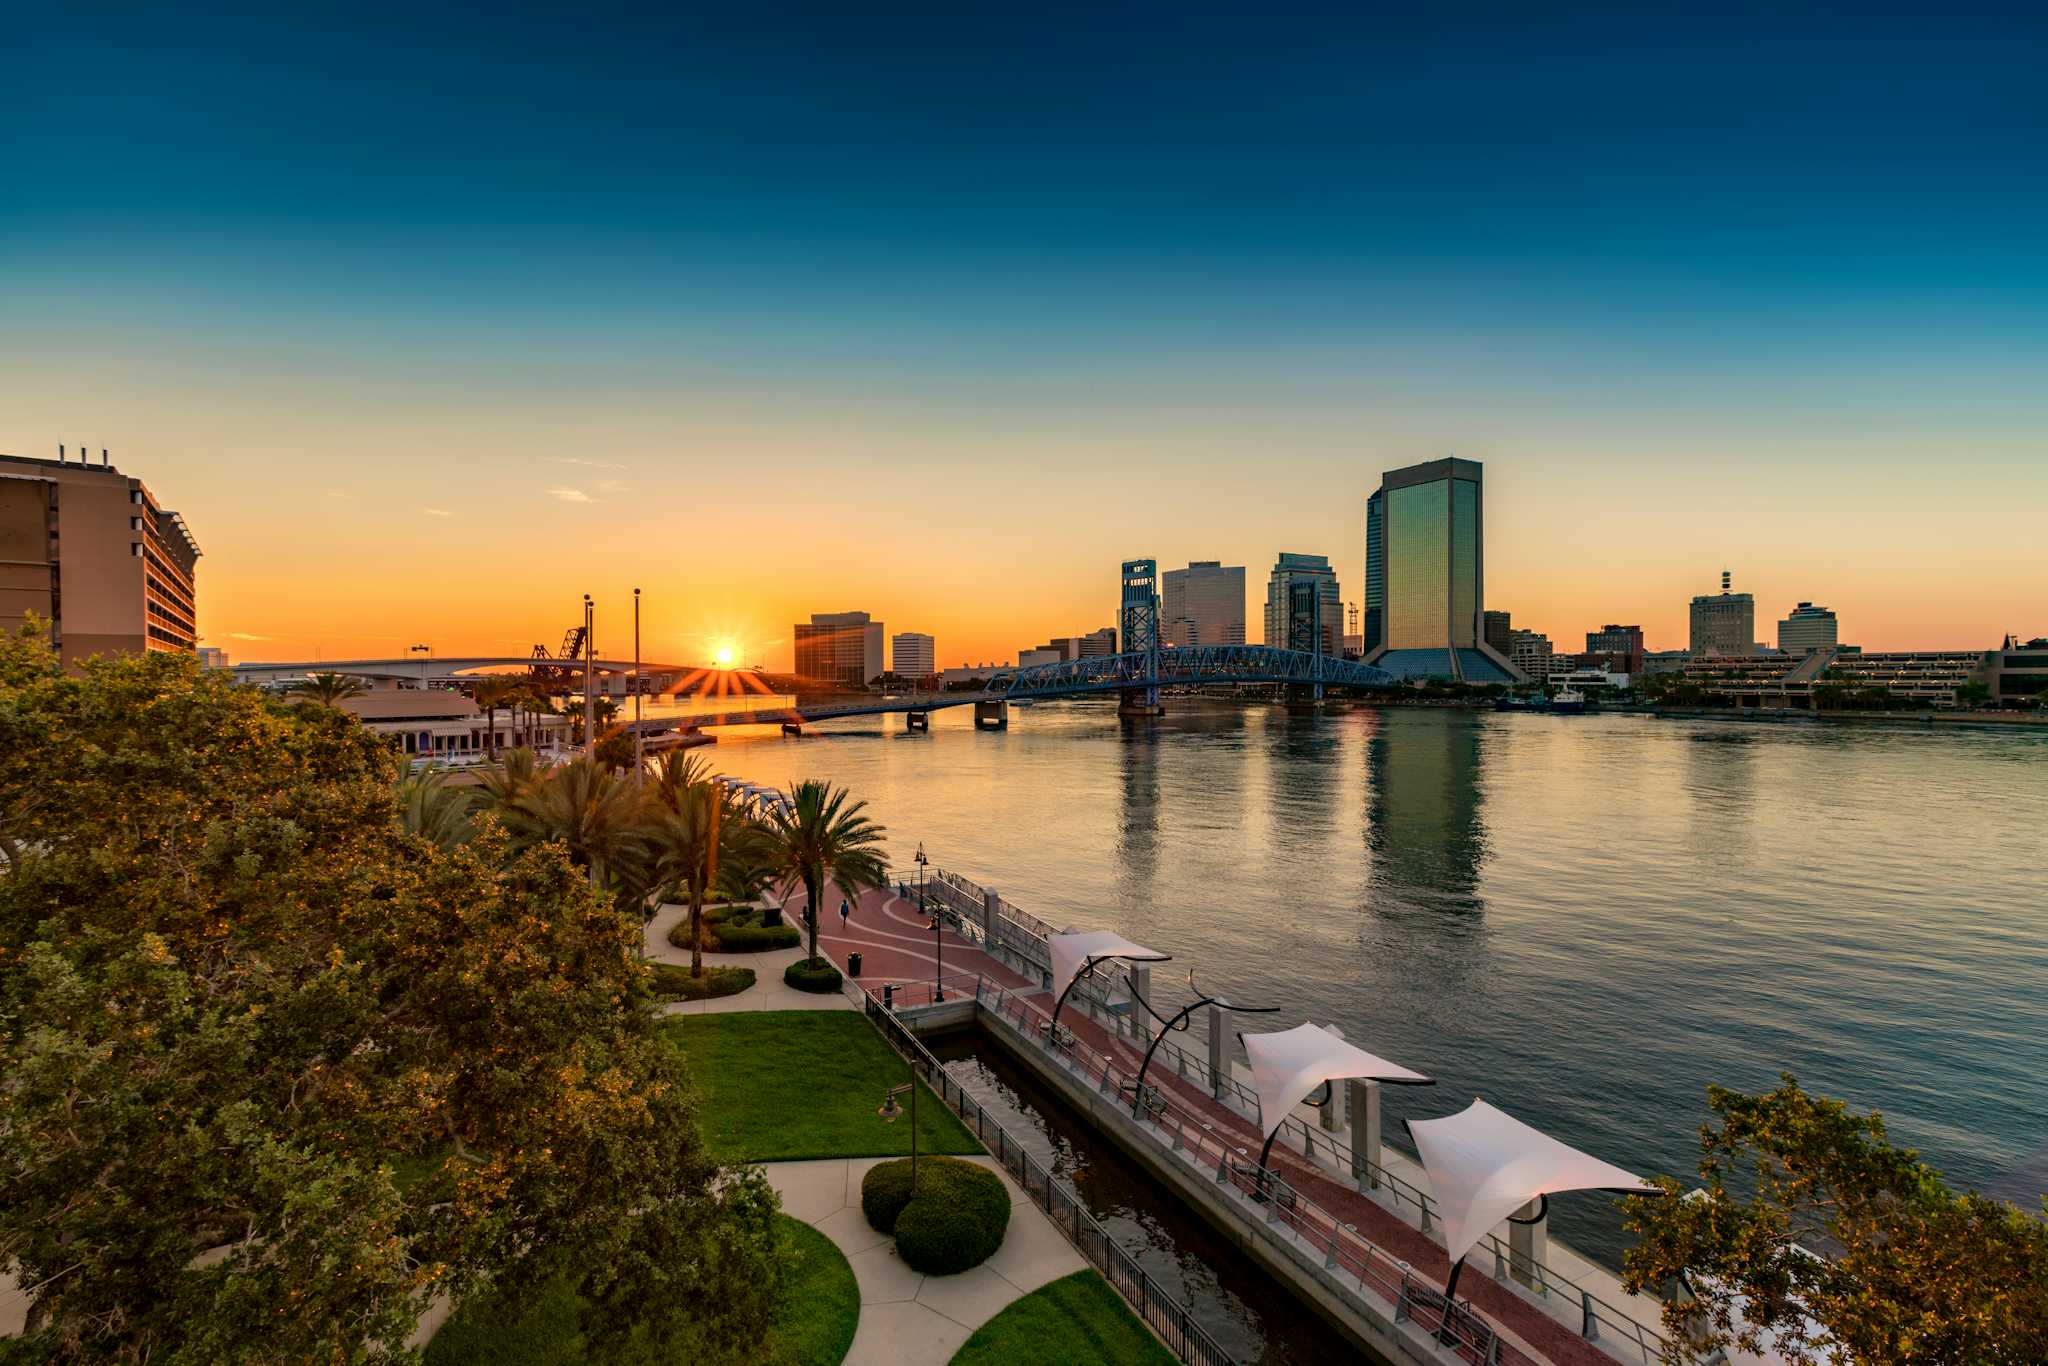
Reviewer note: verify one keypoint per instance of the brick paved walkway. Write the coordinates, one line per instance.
(890, 935)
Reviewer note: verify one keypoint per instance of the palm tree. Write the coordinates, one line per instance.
(686, 816)
(583, 807)
(491, 694)
(430, 808)
(518, 773)
(326, 689)
(818, 838)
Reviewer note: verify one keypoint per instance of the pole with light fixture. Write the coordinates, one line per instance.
(589, 681)
(938, 940)
(890, 1110)
(639, 739)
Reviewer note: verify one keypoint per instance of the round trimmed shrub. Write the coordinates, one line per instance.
(812, 974)
(955, 1220)
(885, 1190)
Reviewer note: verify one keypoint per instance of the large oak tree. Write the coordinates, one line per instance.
(275, 1075)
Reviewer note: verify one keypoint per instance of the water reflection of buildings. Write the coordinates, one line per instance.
(1138, 815)
(1423, 831)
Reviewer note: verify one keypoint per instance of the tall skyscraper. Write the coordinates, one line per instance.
(1425, 551)
(1724, 623)
(91, 552)
(1203, 604)
(1809, 628)
(839, 647)
(1289, 570)
(912, 654)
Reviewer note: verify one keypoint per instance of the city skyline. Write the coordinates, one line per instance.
(816, 290)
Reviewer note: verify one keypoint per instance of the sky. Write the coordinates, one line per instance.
(431, 323)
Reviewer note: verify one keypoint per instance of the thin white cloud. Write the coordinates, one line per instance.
(437, 512)
(244, 635)
(336, 493)
(571, 495)
(614, 486)
(587, 464)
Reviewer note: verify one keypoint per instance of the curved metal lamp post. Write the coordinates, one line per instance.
(1179, 1022)
(890, 1110)
(1052, 1027)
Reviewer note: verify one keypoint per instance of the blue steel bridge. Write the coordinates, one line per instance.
(1140, 671)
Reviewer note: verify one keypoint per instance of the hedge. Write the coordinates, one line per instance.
(736, 929)
(955, 1220)
(812, 974)
(673, 982)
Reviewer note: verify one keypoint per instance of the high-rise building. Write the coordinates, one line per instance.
(1617, 649)
(912, 654)
(1202, 604)
(1499, 630)
(1723, 623)
(839, 647)
(1809, 628)
(91, 552)
(1425, 571)
(1289, 570)
(1375, 573)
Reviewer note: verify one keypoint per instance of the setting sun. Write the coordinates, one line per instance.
(723, 656)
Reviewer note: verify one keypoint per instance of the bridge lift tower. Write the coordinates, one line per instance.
(1138, 622)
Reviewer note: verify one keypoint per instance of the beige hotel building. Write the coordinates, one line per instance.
(90, 551)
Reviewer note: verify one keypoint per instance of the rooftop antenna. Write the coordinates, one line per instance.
(1724, 582)
(103, 457)
(60, 452)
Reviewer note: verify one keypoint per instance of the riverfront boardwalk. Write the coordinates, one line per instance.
(895, 946)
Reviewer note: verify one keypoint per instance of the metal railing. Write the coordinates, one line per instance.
(1346, 1254)
(960, 901)
(1166, 1315)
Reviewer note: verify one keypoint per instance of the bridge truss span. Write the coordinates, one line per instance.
(1185, 666)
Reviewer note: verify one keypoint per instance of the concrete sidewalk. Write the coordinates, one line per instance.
(908, 1318)
(769, 992)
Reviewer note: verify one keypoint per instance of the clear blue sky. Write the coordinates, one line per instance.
(1749, 284)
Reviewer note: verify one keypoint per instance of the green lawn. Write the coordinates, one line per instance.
(782, 1085)
(814, 1327)
(1074, 1321)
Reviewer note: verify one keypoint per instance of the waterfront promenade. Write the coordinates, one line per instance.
(897, 950)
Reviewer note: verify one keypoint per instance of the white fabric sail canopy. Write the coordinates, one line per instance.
(1287, 1066)
(1484, 1164)
(1071, 953)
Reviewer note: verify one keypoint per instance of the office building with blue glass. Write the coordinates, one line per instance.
(1425, 575)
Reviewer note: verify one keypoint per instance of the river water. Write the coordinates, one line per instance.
(1587, 920)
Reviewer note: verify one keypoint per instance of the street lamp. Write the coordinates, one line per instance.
(890, 1110)
(938, 971)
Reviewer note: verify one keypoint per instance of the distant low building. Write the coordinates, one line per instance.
(1809, 628)
(1031, 659)
(912, 654)
(1931, 677)
(444, 725)
(1723, 624)
(213, 657)
(971, 673)
(1619, 648)
(839, 647)
(2018, 673)
(1532, 654)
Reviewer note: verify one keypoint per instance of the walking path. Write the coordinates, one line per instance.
(896, 946)
(908, 1318)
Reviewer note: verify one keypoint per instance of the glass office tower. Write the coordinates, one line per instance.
(1424, 558)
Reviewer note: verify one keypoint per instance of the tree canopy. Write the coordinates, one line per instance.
(1812, 1230)
(280, 1073)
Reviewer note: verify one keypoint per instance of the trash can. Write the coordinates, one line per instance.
(853, 965)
